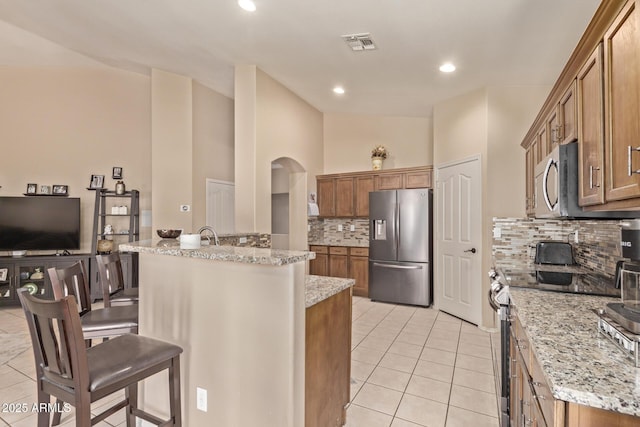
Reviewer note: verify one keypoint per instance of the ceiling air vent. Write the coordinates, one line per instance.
(359, 42)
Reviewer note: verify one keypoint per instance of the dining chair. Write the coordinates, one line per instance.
(111, 281)
(96, 323)
(79, 376)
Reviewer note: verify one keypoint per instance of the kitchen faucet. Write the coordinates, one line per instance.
(215, 235)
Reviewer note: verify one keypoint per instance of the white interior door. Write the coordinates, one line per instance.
(220, 206)
(458, 284)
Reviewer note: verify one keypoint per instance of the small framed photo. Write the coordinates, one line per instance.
(61, 190)
(3, 274)
(117, 172)
(32, 188)
(97, 181)
(45, 189)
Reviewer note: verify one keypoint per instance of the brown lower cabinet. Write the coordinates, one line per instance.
(328, 361)
(342, 261)
(532, 403)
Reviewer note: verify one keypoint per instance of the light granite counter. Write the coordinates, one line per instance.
(247, 255)
(580, 365)
(319, 288)
(351, 243)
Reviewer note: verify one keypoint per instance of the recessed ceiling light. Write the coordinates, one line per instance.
(447, 67)
(247, 5)
(339, 90)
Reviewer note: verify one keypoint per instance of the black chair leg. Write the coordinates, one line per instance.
(175, 405)
(44, 416)
(131, 393)
(58, 413)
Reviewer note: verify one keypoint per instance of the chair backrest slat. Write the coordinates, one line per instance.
(110, 275)
(56, 335)
(71, 280)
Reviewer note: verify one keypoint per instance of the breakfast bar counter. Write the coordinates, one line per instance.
(239, 314)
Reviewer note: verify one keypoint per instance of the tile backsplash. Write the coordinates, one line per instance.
(598, 246)
(326, 230)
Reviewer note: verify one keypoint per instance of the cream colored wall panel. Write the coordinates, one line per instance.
(349, 139)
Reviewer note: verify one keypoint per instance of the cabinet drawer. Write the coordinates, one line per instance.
(359, 252)
(337, 250)
(319, 249)
(543, 393)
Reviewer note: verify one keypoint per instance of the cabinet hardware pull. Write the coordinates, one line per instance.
(630, 170)
(591, 173)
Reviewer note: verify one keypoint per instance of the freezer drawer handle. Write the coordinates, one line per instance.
(400, 267)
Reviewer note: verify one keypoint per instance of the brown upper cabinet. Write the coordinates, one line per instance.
(621, 112)
(567, 115)
(590, 131)
(346, 195)
(596, 100)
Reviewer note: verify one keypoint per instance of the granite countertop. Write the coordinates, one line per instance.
(319, 288)
(580, 365)
(351, 243)
(247, 255)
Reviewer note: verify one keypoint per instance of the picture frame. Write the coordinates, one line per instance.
(61, 190)
(45, 189)
(117, 172)
(32, 188)
(97, 181)
(3, 274)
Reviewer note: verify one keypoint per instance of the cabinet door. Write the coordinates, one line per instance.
(553, 130)
(338, 262)
(344, 197)
(418, 179)
(390, 181)
(544, 142)
(7, 285)
(364, 185)
(622, 109)
(32, 275)
(320, 265)
(359, 270)
(590, 130)
(568, 121)
(326, 197)
(515, 382)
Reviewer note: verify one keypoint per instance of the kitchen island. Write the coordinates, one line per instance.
(239, 314)
(591, 382)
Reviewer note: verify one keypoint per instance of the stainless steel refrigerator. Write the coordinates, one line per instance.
(400, 246)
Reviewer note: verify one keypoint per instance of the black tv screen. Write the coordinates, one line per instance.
(39, 223)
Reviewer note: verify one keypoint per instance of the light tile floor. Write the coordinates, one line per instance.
(413, 367)
(410, 367)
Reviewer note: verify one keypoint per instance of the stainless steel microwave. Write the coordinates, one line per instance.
(556, 187)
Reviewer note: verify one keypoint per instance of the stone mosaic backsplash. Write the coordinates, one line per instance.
(598, 247)
(254, 240)
(325, 231)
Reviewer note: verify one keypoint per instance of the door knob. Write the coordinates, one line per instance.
(472, 250)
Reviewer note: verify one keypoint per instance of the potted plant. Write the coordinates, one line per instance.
(378, 154)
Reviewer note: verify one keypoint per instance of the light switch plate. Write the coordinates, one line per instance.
(201, 399)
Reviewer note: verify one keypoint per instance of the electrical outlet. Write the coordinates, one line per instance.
(352, 227)
(201, 399)
(497, 233)
(185, 208)
(242, 240)
(339, 227)
(575, 237)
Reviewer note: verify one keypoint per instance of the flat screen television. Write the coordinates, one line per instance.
(39, 223)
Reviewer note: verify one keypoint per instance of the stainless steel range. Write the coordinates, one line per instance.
(551, 278)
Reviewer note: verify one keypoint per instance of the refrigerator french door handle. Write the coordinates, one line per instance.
(399, 267)
(398, 224)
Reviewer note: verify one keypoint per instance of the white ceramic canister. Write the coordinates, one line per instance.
(189, 241)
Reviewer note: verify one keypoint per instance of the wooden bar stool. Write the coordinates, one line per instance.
(112, 281)
(77, 375)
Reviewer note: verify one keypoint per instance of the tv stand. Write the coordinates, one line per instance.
(30, 272)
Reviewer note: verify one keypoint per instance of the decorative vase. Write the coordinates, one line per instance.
(377, 163)
(120, 188)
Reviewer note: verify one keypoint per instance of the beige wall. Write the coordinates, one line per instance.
(349, 139)
(61, 125)
(213, 154)
(490, 122)
(271, 123)
(172, 150)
